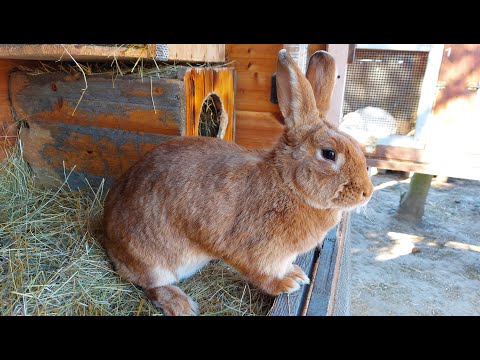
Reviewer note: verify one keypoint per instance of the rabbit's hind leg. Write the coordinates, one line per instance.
(172, 301)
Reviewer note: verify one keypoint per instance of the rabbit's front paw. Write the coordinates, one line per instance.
(292, 281)
(298, 275)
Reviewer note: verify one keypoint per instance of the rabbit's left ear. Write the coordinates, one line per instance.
(321, 75)
(295, 95)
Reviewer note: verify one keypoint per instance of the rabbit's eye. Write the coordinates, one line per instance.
(329, 154)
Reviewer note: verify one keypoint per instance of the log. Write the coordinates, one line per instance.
(412, 203)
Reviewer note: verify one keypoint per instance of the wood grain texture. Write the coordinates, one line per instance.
(213, 53)
(53, 148)
(81, 52)
(259, 123)
(258, 130)
(258, 120)
(292, 304)
(127, 106)
(110, 130)
(202, 82)
(252, 51)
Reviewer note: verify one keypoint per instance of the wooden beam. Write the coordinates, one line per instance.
(454, 170)
(399, 153)
(127, 106)
(81, 52)
(322, 285)
(213, 53)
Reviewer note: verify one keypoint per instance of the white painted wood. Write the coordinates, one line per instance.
(299, 54)
(428, 93)
(340, 54)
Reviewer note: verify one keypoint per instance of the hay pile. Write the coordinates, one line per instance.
(209, 121)
(51, 263)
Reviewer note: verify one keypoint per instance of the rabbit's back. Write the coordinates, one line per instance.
(191, 186)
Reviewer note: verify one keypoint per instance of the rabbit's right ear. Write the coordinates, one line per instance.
(321, 75)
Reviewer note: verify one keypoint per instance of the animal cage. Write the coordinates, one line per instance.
(387, 79)
(389, 93)
(119, 119)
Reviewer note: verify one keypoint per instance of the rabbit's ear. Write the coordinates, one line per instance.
(321, 75)
(294, 93)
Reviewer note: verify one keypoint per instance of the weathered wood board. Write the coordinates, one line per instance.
(124, 104)
(106, 52)
(53, 149)
(80, 52)
(116, 121)
(112, 126)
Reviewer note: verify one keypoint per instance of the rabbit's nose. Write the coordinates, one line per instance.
(368, 192)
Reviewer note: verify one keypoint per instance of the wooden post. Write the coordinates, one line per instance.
(412, 203)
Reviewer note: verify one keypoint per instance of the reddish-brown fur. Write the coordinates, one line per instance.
(194, 199)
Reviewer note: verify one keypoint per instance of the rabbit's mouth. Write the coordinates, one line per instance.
(348, 197)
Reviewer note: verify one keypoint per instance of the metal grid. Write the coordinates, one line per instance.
(385, 80)
(162, 52)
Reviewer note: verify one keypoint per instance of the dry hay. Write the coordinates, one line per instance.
(209, 121)
(51, 263)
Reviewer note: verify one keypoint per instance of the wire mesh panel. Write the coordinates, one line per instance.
(382, 90)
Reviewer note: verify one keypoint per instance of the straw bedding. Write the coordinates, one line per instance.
(52, 264)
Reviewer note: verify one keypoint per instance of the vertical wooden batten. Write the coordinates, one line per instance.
(340, 54)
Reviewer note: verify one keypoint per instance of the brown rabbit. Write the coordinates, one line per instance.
(194, 199)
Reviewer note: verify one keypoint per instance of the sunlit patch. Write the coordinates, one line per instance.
(404, 243)
(391, 183)
(462, 246)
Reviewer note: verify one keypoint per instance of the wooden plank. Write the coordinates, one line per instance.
(213, 53)
(128, 106)
(258, 130)
(254, 84)
(255, 100)
(400, 153)
(95, 152)
(454, 169)
(81, 52)
(322, 285)
(292, 304)
(252, 51)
